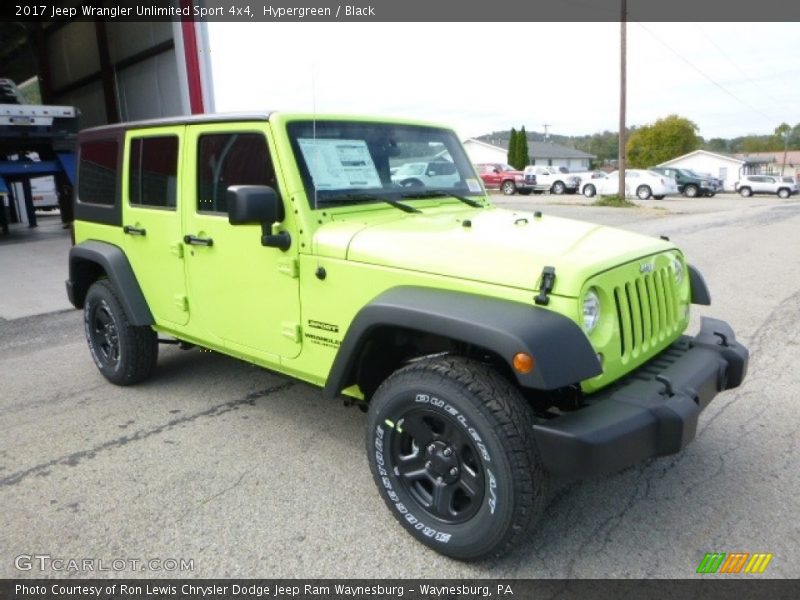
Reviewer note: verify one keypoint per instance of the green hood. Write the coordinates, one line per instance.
(500, 246)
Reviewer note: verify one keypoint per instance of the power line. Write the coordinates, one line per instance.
(739, 69)
(772, 120)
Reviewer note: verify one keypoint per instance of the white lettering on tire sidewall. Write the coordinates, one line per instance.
(387, 479)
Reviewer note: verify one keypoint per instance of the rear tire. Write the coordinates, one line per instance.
(451, 448)
(643, 192)
(589, 191)
(125, 354)
(745, 192)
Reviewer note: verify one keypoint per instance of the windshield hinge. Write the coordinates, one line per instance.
(289, 267)
(548, 279)
(291, 330)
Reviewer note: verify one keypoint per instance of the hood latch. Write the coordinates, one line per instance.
(548, 280)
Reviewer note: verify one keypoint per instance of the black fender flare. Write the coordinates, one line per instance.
(561, 351)
(700, 293)
(112, 260)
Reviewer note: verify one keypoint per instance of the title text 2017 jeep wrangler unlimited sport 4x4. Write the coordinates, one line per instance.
(493, 349)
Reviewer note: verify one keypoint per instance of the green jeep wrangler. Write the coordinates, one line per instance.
(493, 350)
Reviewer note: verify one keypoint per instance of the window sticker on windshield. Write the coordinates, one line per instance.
(473, 185)
(339, 164)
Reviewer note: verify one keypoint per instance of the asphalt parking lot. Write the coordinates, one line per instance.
(249, 473)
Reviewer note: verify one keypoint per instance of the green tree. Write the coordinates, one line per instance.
(667, 138)
(717, 145)
(512, 147)
(522, 150)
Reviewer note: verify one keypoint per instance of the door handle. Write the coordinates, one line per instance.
(131, 230)
(198, 241)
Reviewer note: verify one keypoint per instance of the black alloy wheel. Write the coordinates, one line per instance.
(437, 465)
(103, 332)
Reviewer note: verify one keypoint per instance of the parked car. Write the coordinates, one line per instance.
(438, 173)
(784, 187)
(551, 179)
(641, 183)
(690, 184)
(589, 180)
(503, 177)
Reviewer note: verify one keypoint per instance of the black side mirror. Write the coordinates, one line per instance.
(248, 204)
(258, 204)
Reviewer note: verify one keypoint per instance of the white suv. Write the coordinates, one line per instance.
(766, 184)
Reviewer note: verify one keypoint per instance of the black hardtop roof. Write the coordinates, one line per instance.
(179, 120)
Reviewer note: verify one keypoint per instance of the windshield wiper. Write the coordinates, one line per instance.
(366, 198)
(443, 194)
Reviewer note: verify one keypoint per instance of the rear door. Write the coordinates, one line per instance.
(151, 219)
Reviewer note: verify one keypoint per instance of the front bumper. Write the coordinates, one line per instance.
(652, 412)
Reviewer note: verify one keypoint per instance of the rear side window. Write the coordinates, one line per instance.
(230, 159)
(97, 172)
(152, 179)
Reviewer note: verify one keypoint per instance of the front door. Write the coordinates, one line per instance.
(243, 295)
(151, 211)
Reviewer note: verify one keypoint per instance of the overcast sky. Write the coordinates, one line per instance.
(730, 78)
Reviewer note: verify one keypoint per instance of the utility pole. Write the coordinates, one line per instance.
(622, 76)
(546, 127)
(785, 149)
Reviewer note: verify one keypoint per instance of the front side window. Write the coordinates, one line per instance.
(228, 159)
(349, 162)
(153, 173)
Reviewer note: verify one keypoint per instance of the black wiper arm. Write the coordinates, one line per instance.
(443, 194)
(366, 198)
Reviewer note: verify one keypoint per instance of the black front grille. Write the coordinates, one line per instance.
(647, 311)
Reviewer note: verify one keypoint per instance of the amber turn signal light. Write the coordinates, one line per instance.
(523, 363)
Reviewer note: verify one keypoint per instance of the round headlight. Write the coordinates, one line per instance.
(678, 266)
(591, 310)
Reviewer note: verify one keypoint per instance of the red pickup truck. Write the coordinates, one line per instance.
(499, 176)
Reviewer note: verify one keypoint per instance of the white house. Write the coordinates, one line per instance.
(728, 168)
(539, 153)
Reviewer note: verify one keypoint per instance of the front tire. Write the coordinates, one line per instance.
(643, 192)
(784, 193)
(589, 190)
(508, 188)
(125, 354)
(691, 191)
(450, 445)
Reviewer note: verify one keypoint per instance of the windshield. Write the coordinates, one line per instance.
(351, 162)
